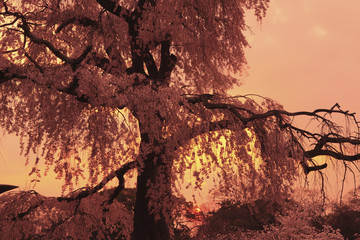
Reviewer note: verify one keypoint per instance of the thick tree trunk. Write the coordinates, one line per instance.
(152, 214)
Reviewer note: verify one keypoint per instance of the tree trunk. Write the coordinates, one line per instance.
(152, 213)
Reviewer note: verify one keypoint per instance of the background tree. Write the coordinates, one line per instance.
(137, 84)
(346, 216)
(302, 216)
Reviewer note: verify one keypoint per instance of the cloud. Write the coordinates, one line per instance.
(279, 16)
(306, 5)
(318, 31)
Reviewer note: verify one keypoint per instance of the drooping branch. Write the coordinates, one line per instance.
(326, 139)
(308, 169)
(205, 100)
(331, 153)
(72, 61)
(83, 21)
(7, 75)
(322, 142)
(118, 173)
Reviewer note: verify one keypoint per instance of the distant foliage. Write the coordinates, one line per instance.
(300, 218)
(298, 224)
(346, 217)
(232, 216)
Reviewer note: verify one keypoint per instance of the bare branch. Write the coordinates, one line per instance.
(326, 139)
(205, 98)
(337, 155)
(308, 169)
(322, 141)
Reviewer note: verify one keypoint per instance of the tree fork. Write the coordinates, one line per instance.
(118, 173)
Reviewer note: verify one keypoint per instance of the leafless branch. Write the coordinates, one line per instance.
(308, 169)
(323, 142)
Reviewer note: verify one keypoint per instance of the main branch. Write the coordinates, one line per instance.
(118, 173)
(72, 61)
(323, 142)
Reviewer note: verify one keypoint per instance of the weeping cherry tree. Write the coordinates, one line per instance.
(98, 88)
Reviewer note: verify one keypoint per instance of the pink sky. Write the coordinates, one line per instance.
(305, 55)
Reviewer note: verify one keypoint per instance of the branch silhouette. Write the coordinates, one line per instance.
(5, 188)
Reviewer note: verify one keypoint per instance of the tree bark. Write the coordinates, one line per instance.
(152, 213)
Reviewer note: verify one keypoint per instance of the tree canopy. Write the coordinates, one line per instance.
(109, 86)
